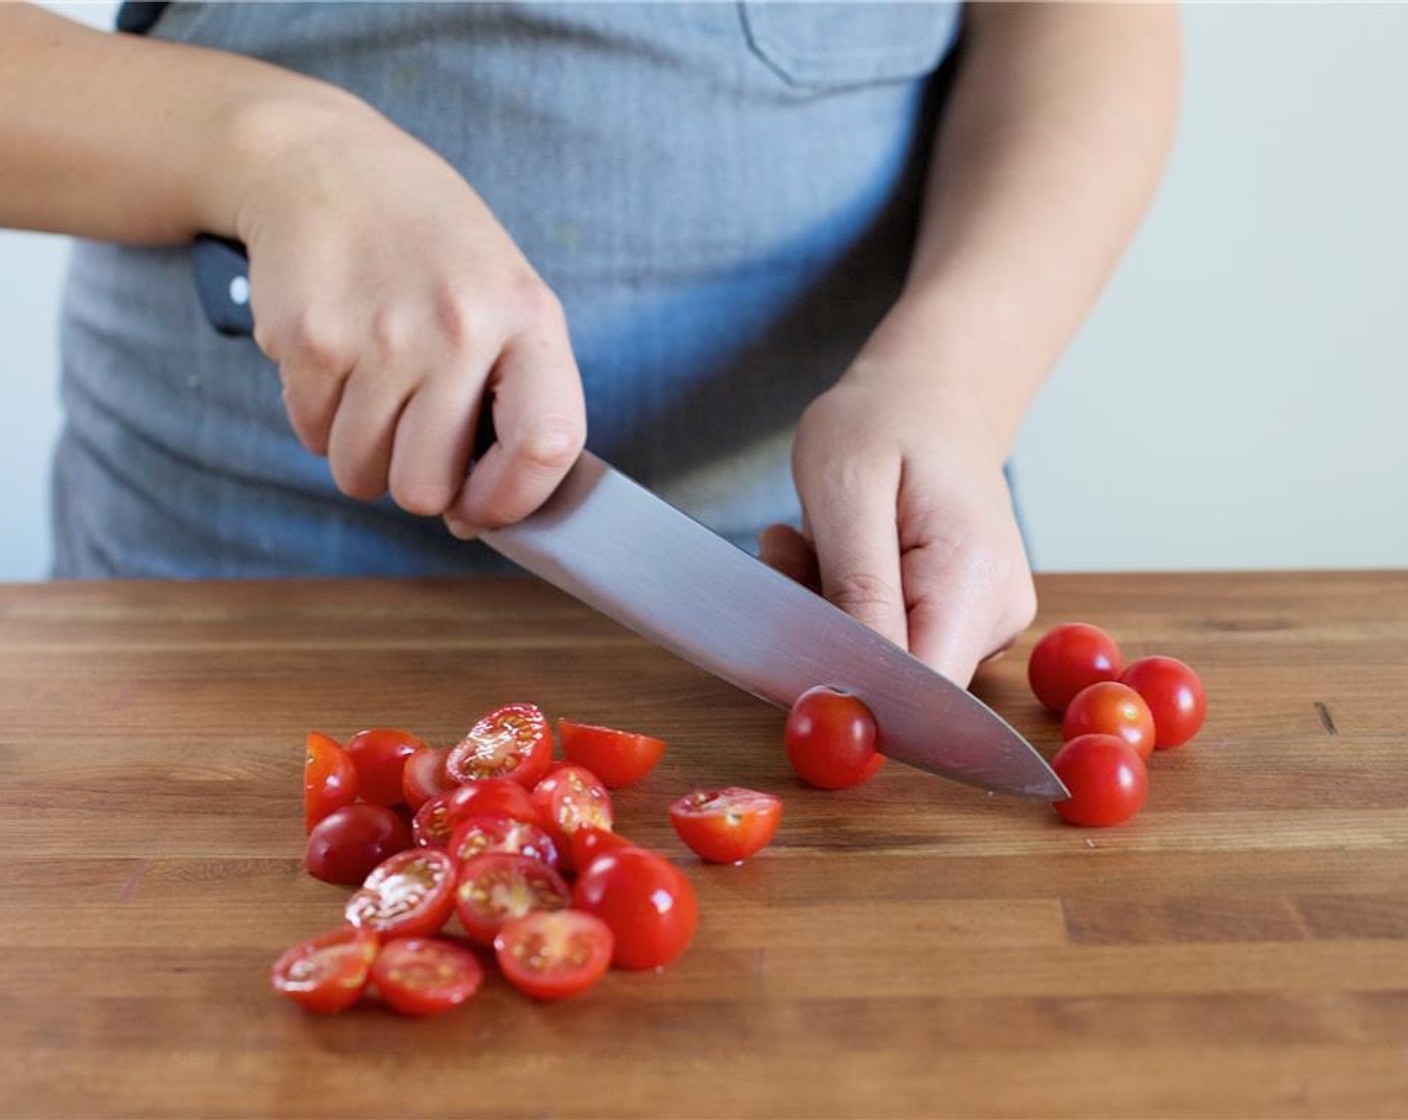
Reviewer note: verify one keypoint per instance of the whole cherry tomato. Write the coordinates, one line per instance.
(554, 954)
(425, 975)
(510, 742)
(650, 907)
(424, 777)
(380, 755)
(831, 739)
(1111, 708)
(1106, 778)
(618, 758)
(329, 779)
(569, 798)
(475, 836)
(726, 825)
(436, 820)
(347, 844)
(496, 888)
(587, 843)
(328, 973)
(1174, 694)
(410, 894)
(1071, 657)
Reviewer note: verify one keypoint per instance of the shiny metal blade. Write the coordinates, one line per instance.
(615, 546)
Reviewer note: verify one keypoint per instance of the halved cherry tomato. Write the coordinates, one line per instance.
(411, 894)
(438, 818)
(327, 973)
(425, 975)
(329, 779)
(831, 738)
(1111, 708)
(1071, 657)
(726, 825)
(347, 844)
(1106, 778)
(1174, 694)
(380, 754)
(497, 888)
(477, 836)
(510, 742)
(650, 907)
(569, 798)
(424, 777)
(618, 758)
(554, 955)
(586, 844)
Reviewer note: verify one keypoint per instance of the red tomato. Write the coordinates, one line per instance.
(425, 975)
(511, 742)
(1174, 694)
(618, 758)
(329, 779)
(569, 798)
(587, 843)
(327, 973)
(554, 955)
(412, 894)
(438, 818)
(498, 887)
(1106, 778)
(380, 757)
(1071, 657)
(424, 777)
(476, 836)
(726, 825)
(649, 905)
(831, 738)
(346, 845)
(1111, 708)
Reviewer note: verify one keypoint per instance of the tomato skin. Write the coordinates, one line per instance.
(438, 818)
(510, 742)
(347, 844)
(650, 907)
(556, 954)
(477, 836)
(1175, 697)
(329, 779)
(380, 754)
(569, 798)
(425, 975)
(1106, 778)
(617, 758)
(496, 888)
(1111, 708)
(410, 894)
(424, 777)
(831, 739)
(328, 973)
(726, 825)
(586, 844)
(1071, 657)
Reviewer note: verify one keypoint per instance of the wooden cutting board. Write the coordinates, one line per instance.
(910, 948)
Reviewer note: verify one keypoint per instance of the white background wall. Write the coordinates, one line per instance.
(1237, 400)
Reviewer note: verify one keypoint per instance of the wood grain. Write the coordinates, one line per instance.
(910, 948)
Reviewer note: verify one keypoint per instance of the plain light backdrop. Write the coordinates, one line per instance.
(1238, 397)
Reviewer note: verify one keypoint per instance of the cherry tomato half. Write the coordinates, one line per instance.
(411, 894)
(569, 798)
(650, 907)
(618, 758)
(424, 777)
(554, 955)
(1111, 708)
(1071, 657)
(380, 754)
(496, 888)
(586, 844)
(328, 973)
(476, 836)
(1174, 694)
(329, 779)
(510, 742)
(1106, 778)
(831, 739)
(438, 818)
(425, 975)
(726, 825)
(347, 844)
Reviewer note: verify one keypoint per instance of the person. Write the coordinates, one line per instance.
(803, 267)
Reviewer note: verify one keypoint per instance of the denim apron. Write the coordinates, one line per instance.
(723, 196)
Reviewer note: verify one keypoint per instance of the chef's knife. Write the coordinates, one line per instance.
(617, 547)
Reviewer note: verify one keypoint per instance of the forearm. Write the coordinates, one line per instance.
(1052, 143)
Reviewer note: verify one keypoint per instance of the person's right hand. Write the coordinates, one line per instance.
(396, 306)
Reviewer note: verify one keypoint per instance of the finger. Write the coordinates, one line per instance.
(958, 617)
(783, 548)
(363, 433)
(314, 363)
(434, 438)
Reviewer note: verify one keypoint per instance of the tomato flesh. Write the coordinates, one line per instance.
(1111, 708)
(554, 955)
(649, 906)
(1068, 658)
(329, 779)
(380, 754)
(496, 888)
(569, 798)
(831, 739)
(1175, 697)
(347, 844)
(510, 742)
(425, 975)
(327, 973)
(411, 894)
(477, 836)
(726, 825)
(617, 758)
(437, 819)
(424, 777)
(1106, 778)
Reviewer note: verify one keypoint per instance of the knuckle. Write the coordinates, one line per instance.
(421, 496)
(315, 343)
(858, 592)
(534, 304)
(551, 443)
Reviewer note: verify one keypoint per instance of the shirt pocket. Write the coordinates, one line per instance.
(831, 45)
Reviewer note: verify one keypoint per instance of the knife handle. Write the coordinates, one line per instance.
(221, 269)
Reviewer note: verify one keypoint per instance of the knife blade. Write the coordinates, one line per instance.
(614, 545)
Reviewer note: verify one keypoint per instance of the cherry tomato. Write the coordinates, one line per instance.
(424, 777)
(554, 955)
(569, 798)
(329, 779)
(1071, 657)
(425, 975)
(510, 742)
(618, 758)
(1174, 694)
(585, 844)
(347, 844)
(1106, 778)
(831, 739)
(650, 907)
(726, 825)
(476, 836)
(329, 972)
(498, 887)
(380, 755)
(411, 894)
(437, 819)
(1111, 708)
